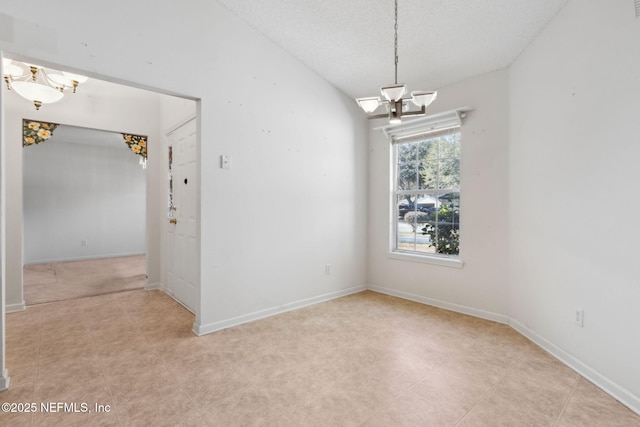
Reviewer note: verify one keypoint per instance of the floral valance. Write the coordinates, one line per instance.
(137, 143)
(34, 132)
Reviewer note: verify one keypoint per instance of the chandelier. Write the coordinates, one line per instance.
(397, 104)
(38, 85)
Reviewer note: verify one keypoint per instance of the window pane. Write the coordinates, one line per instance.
(407, 152)
(428, 149)
(417, 165)
(426, 220)
(452, 199)
(429, 175)
(407, 176)
(413, 214)
(450, 146)
(405, 237)
(405, 203)
(444, 229)
(449, 174)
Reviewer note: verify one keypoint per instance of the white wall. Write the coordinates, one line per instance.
(295, 198)
(123, 110)
(90, 191)
(480, 287)
(575, 145)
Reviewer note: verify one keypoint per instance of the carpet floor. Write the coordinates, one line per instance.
(59, 281)
(367, 360)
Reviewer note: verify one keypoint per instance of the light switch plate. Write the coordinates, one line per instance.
(225, 162)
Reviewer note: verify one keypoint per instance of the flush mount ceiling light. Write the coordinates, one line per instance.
(394, 98)
(36, 84)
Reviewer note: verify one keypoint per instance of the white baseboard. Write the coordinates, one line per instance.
(152, 286)
(495, 317)
(4, 380)
(82, 258)
(616, 391)
(12, 308)
(208, 328)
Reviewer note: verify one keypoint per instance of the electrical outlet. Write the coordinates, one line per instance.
(83, 242)
(579, 317)
(327, 269)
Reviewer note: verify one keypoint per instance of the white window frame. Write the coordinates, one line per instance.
(433, 124)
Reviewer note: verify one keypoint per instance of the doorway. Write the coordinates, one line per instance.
(84, 198)
(98, 104)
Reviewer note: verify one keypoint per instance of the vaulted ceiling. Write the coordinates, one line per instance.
(350, 42)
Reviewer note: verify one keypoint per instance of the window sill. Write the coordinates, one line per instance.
(426, 259)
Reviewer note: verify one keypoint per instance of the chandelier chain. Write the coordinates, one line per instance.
(395, 42)
(395, 97)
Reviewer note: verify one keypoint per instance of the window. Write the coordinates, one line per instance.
(426, 196)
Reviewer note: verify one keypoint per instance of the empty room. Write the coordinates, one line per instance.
(376, 213)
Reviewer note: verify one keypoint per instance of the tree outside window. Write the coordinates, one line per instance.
(427, 194)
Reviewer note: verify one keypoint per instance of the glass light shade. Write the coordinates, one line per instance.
(369, 105)
(37, 92)
(422, 98)
(12, 70)
(61, 79)
(77, 77)
(393, 93)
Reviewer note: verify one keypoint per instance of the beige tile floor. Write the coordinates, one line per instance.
(58, 281)
(362, 360)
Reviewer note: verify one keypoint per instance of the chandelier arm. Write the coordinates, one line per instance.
(420, 112)
(378, 116)
(22, 78)
(49, 81)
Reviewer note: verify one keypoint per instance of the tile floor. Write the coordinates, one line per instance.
(58, 281)
(362, 360)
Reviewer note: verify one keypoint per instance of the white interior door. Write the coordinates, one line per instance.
(181, 266)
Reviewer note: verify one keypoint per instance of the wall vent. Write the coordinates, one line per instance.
(637, 8)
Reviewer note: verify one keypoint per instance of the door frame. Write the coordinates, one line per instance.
(151, 209)
(165, 228)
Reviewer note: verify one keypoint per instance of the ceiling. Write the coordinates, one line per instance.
(350, 43)
(87, 136)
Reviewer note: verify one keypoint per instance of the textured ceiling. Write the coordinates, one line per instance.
(350, 42)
